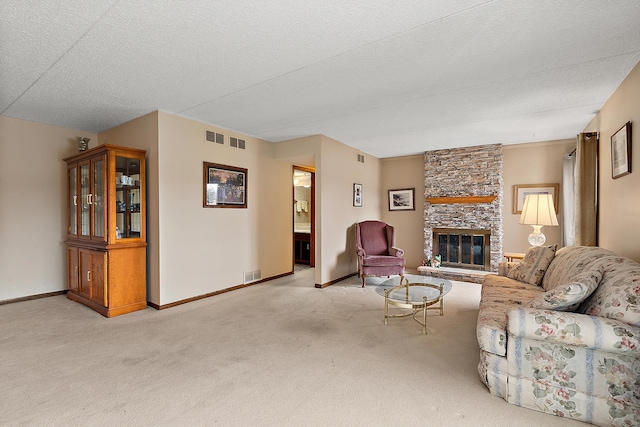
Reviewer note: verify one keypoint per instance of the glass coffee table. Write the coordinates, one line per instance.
(417, 293)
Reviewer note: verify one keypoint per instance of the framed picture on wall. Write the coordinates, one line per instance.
(402, 200)
(621, 152)
(224, 186)
(357, 195)
(521, 191)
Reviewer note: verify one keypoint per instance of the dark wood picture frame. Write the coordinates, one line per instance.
(621, 151)
(224, 186)
(402, 199)
(357, 195)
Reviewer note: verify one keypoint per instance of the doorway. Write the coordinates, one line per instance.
(303, 217)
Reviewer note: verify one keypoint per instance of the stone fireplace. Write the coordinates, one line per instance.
(463, 191)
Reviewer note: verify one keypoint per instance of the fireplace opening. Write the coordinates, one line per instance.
(463, 248)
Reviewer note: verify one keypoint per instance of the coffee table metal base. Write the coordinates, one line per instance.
(399, 296)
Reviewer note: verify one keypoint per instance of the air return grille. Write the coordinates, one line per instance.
(218, 138)
(237, 143)
(252, 276)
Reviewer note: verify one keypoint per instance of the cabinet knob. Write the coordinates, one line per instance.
(88, 275)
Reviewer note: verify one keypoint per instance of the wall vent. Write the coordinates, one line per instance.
(237, 143)
(360, 158)
(218, 138)
(252, 276)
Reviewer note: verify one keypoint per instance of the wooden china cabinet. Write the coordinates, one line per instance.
(106, 223)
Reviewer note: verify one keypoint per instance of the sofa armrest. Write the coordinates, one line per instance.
(575, 329)
(397, 252)
(361, 253)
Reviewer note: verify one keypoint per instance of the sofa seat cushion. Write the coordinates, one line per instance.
(534, 265)
(491, 328)
(618, 294)
(568, 297)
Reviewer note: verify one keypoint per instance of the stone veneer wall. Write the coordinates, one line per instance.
(470, 171)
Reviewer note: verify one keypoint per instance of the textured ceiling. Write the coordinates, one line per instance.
(388, 78)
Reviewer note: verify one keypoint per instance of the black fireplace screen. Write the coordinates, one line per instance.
(463, 248)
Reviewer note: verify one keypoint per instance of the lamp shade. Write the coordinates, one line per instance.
(538, 209)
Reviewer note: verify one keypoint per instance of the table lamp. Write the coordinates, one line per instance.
(538, 210)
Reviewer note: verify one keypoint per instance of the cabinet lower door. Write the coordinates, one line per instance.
(73, 269)
(92, 276)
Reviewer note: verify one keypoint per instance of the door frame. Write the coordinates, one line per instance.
(312, 248)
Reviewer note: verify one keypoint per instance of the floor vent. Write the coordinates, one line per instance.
(218, 138)
(252, 276)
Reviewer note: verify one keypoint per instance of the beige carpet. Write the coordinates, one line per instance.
(281, 353)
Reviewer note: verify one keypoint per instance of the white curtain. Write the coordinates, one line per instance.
(568, 200)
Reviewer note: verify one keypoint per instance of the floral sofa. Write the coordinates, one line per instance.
(560, 333)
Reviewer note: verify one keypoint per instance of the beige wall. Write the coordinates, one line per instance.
(535, 163)
(142, 133)
(203, 249)
(619, 203)
(398, 173)
(337, 169)
(196, 250)
(33, 206)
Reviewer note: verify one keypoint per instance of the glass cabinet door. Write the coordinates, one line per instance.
(73, 200)
(128, 219)
(84, 200)
(98, 199)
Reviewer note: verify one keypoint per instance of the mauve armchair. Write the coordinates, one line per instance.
(377, 254)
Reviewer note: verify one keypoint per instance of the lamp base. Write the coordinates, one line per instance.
(537, 238)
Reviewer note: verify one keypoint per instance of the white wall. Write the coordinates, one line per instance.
(33, 209)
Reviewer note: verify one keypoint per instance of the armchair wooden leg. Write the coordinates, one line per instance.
(363, 276)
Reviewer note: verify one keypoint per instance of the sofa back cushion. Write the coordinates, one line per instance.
(534, 264)
(618, 294)
(569, 296)
(569, 262)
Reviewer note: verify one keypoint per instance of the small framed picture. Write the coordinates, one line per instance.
(621, 152)
(224, 186)
(357, 195)
(402, 200)
(521, 191)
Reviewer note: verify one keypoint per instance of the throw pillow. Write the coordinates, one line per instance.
(568, 297)
(534, 264)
